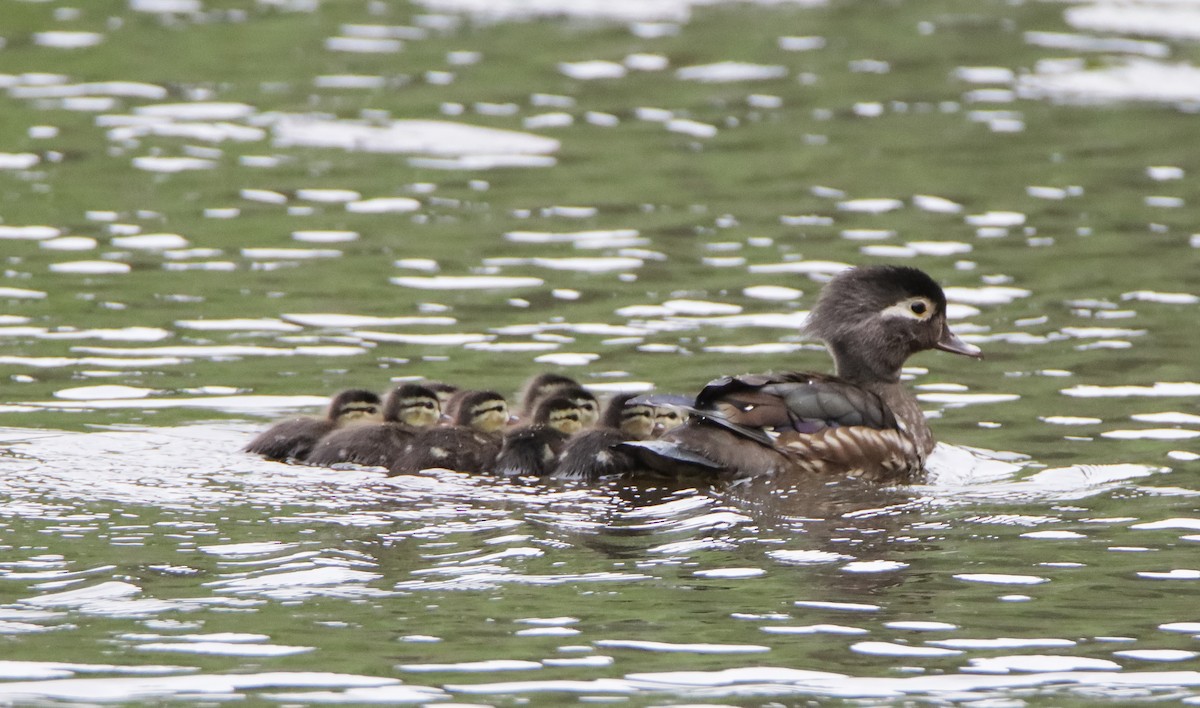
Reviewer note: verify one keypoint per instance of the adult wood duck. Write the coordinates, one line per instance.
(471, 444)
(533, 449)
(861, 422)
(406, 409)
(294, 438)
(592, 454)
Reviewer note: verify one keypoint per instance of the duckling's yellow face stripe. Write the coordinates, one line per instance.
(917, 308)
(420, 412)
(358, 412)
(566, 421)
(489, 417)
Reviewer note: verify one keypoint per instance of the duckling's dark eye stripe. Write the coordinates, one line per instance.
(490, 409)
(419, 403)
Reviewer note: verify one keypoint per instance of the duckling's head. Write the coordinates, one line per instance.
(585, 400)
(485, 411)
(634, 420)
(444, 391)
(667, 417)
(637, 421)
(354, 404)
(559, 412)
(412, 404)
(542, 385)
(873, 318)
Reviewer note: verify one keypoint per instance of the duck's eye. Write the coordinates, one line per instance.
(918, 307)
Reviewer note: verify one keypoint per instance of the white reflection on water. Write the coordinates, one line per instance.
(469, 534)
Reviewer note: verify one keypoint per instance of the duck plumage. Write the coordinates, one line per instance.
(294, 439)
(595, 453)
(471, 444)
(407, 408)
(534, 449)
(861, 422)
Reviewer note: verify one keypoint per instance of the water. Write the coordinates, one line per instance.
(213, 214)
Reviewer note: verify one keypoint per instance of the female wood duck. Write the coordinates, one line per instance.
(533, 449)
(293, 439)
(862, 422)
(471, 444)
(594, 453)
(406, 409)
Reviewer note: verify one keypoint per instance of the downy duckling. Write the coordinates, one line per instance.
(533, 449)
(540, 386)
(667, 417)
(470, 445)
(294, 438)
(550, 384)
(594, 453)
(407, 409)
(861, 422)
(445, 392)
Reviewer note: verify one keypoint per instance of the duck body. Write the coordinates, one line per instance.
(290, 439)
(534, 449)
(457, 448)
(368, 445)
(406, 410)
(471, 444)
(862, 422)
(530, 450)
(772, 424)
(596, 453)
(294, 439)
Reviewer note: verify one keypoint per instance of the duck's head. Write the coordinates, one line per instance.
(585, 401)
(667, 417)
(635, 420)
(542, 385)
(559, 412)
(873, 318)
(485, 411)
(354, 405)
(412, 404)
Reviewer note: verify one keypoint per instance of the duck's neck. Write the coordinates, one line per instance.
(863, 366)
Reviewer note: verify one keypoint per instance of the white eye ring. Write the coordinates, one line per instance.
(913, 308)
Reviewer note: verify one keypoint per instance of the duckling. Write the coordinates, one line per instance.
(445, 391)
(470, 445)
(667, 417)
(295, 438)
(589, 407)
(538, 387)
(594, 453)
(533, 449)
(861, 422)
(550, 384)
(407, 409)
